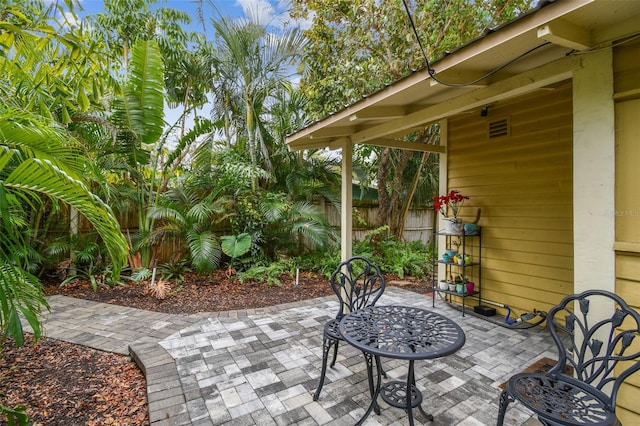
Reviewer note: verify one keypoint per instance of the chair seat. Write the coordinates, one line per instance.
(561, 400)
(332, 329)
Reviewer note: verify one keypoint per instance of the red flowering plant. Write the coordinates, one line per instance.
(452, 201)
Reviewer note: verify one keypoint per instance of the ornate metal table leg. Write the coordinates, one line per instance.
(410, 384)
(411, 376)
(373, 390)
(404, 394)
(428, 417)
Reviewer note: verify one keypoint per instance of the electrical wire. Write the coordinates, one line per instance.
(631, 37)
(432, 72)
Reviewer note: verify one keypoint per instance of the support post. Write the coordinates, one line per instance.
(346, 219)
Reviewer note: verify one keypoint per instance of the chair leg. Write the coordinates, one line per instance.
(326, 347)
(505, 399)
(368, 358)
(335, 353)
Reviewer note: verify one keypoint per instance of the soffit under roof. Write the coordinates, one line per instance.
(418, 100)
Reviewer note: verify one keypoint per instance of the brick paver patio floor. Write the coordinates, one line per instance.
(261, 367)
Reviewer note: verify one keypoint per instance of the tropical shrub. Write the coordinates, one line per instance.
(269, 274)
(175, 269)
(393, 257)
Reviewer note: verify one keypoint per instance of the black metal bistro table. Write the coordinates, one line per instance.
(400, 332)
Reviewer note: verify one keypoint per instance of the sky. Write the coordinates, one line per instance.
(268, 11)
(272, 12)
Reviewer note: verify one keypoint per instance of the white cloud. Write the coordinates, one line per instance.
(260, 11)
(304, 24)
(273, 13)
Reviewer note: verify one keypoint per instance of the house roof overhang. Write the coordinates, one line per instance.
(530, 53)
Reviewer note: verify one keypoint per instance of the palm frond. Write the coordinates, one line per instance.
(43, 177)
(166, 212)
(20, 294)
(140, 108)
(201, 213)
(205, 250)
(26, 136)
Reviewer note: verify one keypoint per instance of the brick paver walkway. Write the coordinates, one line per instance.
(260, 367)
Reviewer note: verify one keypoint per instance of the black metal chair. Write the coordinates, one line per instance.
(358, 283)
(602, 353)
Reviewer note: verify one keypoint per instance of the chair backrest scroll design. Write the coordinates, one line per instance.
(358, 283)
(602, 352)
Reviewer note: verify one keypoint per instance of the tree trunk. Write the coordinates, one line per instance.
(398, 194)
(384, 201)
(414, 185)
(393, 197)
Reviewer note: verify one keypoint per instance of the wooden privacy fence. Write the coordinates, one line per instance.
(418, 226)
(418, 223)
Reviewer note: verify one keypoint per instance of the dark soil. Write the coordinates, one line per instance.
(212, 293)
(65, 384)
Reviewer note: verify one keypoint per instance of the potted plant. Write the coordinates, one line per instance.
(464, 285)
(451, 202)
(443, 285)
(451, 283)
(460, 281)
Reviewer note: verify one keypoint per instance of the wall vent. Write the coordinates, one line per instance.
(499, 128)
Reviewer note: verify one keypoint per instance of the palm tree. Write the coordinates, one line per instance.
(138, 116)
(304, 175)
(48, 78)
(289, 226)
(252, 65)
(37, 158)
(156, 54)
(186, 215)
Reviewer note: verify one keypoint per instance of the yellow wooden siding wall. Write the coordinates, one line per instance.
(523, 184)
(627, 204)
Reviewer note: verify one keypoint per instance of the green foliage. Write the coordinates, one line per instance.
(278, 225)
(235, 245)
(186, 214)
(140, 108)
(83, 249)
(405, 258)
(33, 164)
(252, 65)
(357, 47)
(20, 295)
(141, 274)
(269, 274)
(81, 257)
(174, 269)
(98, 274)
(393, 257)
(320, 261)
(15, 415)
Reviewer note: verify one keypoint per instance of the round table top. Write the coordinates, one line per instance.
(402, 332)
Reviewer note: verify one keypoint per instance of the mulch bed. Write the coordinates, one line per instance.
(65, 384)
(211, 293)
